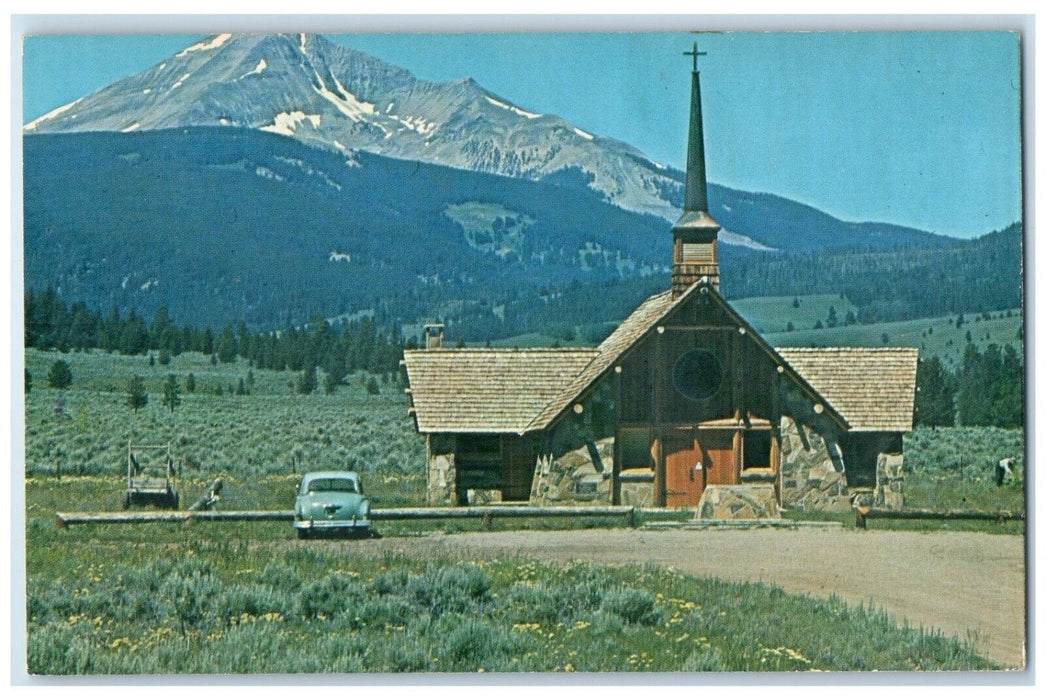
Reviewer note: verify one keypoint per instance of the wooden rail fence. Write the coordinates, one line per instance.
(863, 514)
(378, 514)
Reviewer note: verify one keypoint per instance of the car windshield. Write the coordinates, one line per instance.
(335, 484)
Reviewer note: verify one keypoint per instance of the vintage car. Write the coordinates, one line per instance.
(331, 502)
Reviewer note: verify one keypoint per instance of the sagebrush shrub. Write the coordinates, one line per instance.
(473, 644)
(280, 576)
(703, 660)
(635, 607)
(333, 595)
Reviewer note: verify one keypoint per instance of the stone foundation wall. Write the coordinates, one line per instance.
(738, 502)
(441, 475)
(483, 497)
(889, 481)
(812, 472)
(637, 493)
(573, 478)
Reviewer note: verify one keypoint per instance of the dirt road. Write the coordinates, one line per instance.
(966, 584)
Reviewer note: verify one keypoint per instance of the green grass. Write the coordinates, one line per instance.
(249, 598)
(182, 603)
(773, 314)
(953, 468)
(945, 341)
(272, 431)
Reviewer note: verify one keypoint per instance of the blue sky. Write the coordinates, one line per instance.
(920, 129)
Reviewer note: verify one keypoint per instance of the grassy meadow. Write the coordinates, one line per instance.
(181, 603)
(250, 598)
(273, 430)
(933, 336)
(771, 316)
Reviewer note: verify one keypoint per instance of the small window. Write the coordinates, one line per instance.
(332, 485)
(697, 375)
(757, 449)
(635, 448)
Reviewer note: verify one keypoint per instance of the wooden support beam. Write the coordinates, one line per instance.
(377, 514)
(863, 513)
(701, 328)
(136, 518)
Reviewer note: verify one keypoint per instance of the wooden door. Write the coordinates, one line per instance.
(683, 483)
(719, 456)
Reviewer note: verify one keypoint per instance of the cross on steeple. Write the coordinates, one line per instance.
(695, 53)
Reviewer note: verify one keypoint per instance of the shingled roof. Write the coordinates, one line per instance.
(517, 391)
(488, 390)
(627, 334)
(873, 388)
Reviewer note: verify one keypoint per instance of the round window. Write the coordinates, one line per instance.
(697, 375)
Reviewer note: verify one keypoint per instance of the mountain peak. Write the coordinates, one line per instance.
(319, 92)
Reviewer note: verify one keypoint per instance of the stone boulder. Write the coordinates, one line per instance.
(738, 502)
(572, 478)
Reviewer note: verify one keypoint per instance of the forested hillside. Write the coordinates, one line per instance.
(222, 225)
(984, 274)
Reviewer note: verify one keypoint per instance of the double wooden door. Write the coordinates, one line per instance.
(694, 459)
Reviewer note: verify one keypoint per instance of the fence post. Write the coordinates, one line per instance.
(861, 513)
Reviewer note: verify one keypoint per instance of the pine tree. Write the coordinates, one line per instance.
(935, 397)
(136, 396)
(307, 380)
(172, 395)
(164, 357)
(60, 376)
(28, 381)
(190, 383)
(225, 347)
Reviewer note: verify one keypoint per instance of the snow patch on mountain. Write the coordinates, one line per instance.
(262, 171)
(132, 127)
(346, 102)
(286, 122)
(262, 65)
(146, 91)
(51, 115)
(180, 81)
(739, 239)
(511, 108)
(583, 134)
(206, 45)
(418, 124)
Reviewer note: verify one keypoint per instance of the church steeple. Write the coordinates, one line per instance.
(695, 240)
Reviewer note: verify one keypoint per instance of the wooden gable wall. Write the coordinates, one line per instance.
(649, 392)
